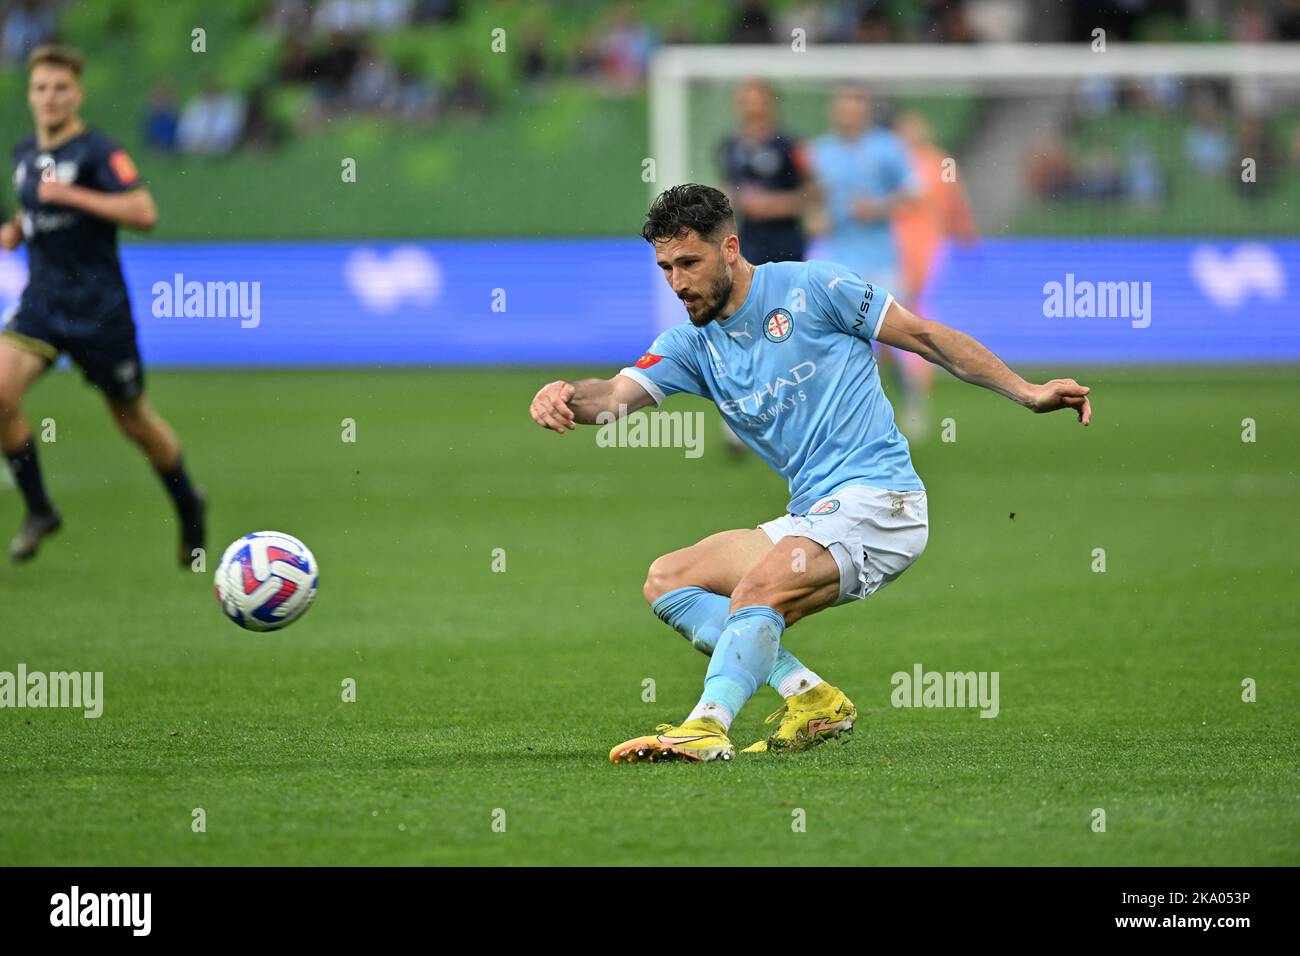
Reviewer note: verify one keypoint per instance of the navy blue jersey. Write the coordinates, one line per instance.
(772, 164)
(71, 255)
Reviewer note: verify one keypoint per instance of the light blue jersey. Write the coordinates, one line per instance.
(794, 375)
(872, 166)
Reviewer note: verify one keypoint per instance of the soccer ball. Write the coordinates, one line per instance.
(266, 580)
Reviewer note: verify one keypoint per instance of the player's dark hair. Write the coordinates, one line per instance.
(55, 55)
(687, 208)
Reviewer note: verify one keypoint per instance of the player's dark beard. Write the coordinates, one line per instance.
(717, 297)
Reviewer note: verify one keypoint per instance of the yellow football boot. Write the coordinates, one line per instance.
(807, 719)
(696, 741)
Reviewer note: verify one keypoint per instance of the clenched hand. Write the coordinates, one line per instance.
(550, 407)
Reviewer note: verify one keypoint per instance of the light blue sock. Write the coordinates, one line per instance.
(742, 660)
(696, 614)
(699, 616)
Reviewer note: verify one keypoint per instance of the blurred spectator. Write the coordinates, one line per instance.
(330, 71)
(537, 65)
(212, 122)
(294, 60)
(1251, 95)
(753, 24)
(945, 22)
(1048, 169)
(468, 95)
(1099, 95)
(290, 18)
(435, 11)
(1098, 176)
(373, 85)
(998, 21)
(27, 25)
(161, 122)
(838, 20)
(1144, 183)
(623, 46)
(416, 100)
(678, 32)
(1206, 145)
(811, 18)
(1250, 22)
(1117, 17)
(584, 61)
(1159, 92)
(260, 130)
(361, 16)
(1288, 21)
(873, 27)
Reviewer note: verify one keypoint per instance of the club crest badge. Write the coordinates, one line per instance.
(778, 326)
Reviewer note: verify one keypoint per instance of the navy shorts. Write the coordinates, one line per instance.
(103, 346)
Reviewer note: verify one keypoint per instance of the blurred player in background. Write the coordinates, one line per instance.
(766, 178)
(863, 176)
(765, 173)
(940, 211)
(75, 187)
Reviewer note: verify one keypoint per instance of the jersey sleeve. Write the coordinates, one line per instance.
(849, 303)
(114, 171)
(668, 367)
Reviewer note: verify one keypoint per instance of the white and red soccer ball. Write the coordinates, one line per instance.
(266, 580)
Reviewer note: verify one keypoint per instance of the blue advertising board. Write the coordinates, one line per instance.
(602, 301)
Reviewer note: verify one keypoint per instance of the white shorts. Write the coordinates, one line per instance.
(874, 535)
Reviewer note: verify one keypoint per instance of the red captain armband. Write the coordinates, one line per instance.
(647, 360)
(123, 168)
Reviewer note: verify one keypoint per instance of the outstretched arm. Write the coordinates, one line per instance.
(971, 362)
(561, 406)
(134, 208)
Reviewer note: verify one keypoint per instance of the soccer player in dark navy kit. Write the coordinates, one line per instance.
(75, 188)
(764, 170)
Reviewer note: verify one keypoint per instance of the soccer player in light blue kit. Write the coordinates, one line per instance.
(782, 349)
(862, 173)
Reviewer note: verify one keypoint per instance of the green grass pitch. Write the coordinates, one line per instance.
(479, 691)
